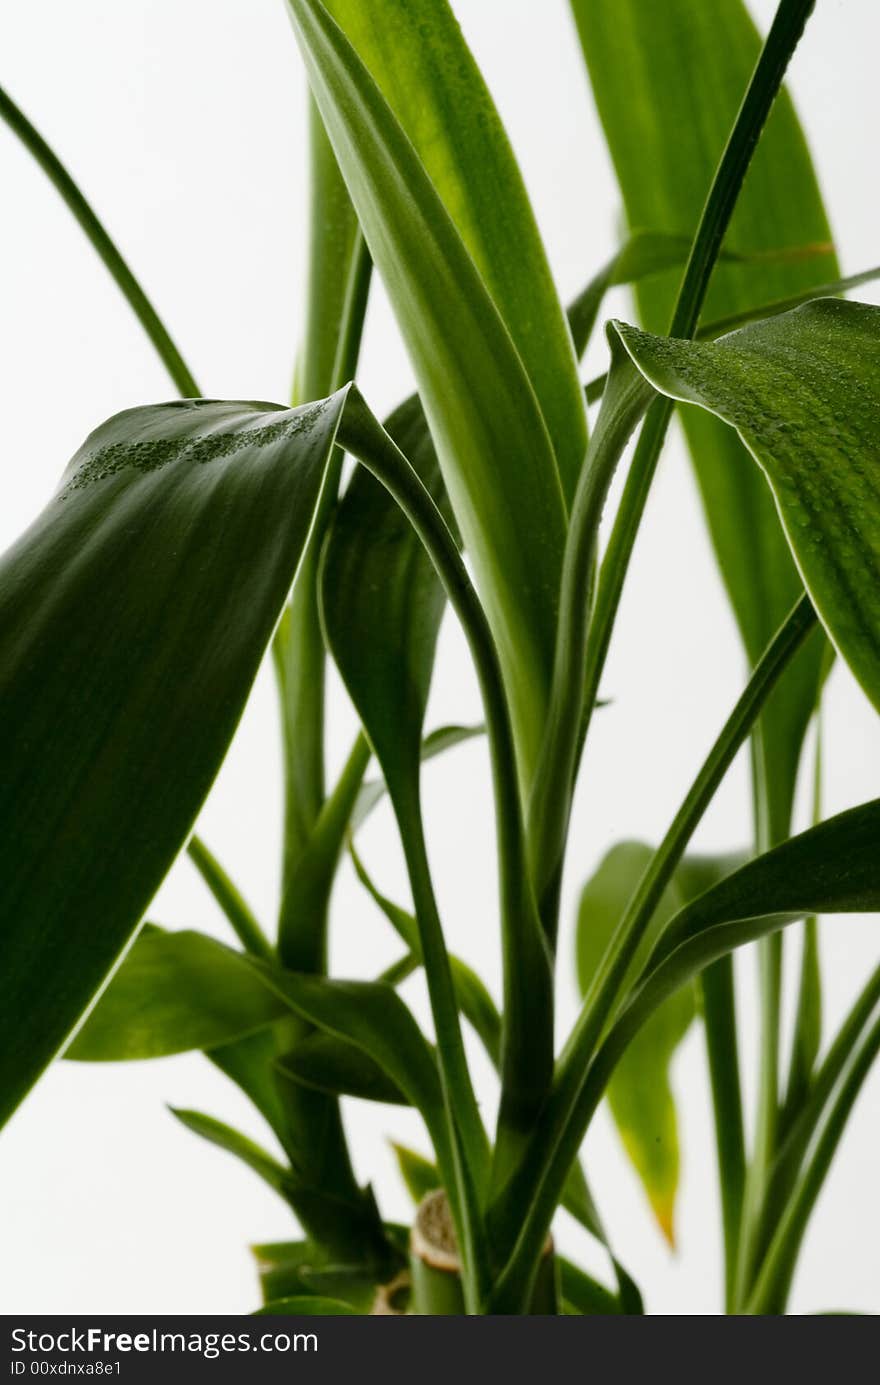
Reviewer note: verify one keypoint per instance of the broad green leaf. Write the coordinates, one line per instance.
(486, 420)
(420, 1175)
(639, 1093)
(180, 991)
(307, 1305)
(330, 1064)
(133, 616)
(668, 80)
(175, 992)
(803, 392)
(372, 1016)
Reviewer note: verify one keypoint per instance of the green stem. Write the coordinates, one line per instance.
(302, 936)
(772, 1283)
(798, 1135)
(527, 1041)
(538, 1182)
(719, 1015)
(770, 829)
(103, 244)
(571, 695)
(612, 971)
(625, 400)
(234, 906)
(807, 1039)
(298, 648)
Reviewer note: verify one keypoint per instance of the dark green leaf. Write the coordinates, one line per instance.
(248, 1063)
(583, 1293)
(803, 391)
(331, 1064)
(668, 80)
(372, 1016)
(477, 394)
(133, 617)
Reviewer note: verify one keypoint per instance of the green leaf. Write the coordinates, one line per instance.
(416, 54)
(306, 1305)
(333, 1065)
(371, 1016)
(646, 253)
(583, 1293)
(298, 1269)
(639, 1093)
(248, 1063)
(410, 192)
(233, 904)
(803, 392)
(668, 80)
(420, 1175)
(233, 1142)
(133, 617)
(175, 992)
(833, 868)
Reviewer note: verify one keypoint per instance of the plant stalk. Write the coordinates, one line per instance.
(103, 243)
(542, 1174)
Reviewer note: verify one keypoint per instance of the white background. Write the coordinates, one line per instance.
(183, 121)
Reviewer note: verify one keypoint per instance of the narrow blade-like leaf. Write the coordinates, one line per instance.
(491, 435)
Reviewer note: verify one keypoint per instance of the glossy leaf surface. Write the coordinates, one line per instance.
(803, 392)
(133, 616)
